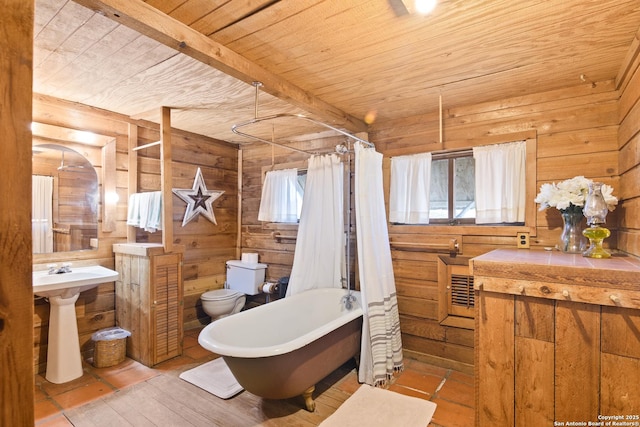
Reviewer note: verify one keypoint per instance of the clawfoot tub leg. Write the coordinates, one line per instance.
(308, 399)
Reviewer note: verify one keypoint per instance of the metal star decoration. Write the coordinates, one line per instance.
(199, 200)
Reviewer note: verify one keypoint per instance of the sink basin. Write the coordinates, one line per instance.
(64, 362)
(66, 285)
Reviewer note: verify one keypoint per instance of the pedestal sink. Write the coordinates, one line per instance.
(64, 362)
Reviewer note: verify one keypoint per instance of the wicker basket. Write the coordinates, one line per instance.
(110, 351)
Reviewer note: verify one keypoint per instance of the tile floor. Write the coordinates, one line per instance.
(452, 391)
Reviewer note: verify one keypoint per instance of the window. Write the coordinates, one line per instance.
(484, 185)
(452, 195)
(282, 195)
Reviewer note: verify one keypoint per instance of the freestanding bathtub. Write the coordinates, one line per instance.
(284, 348)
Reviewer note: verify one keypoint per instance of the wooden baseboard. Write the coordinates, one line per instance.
(195, 323)
(439, 361)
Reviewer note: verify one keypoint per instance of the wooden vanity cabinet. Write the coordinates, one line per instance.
(557, 338)
(149, 300)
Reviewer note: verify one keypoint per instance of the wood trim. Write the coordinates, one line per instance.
(629, 65)
(109, 206)
(530, 214)
(559, 291)
(451, 246)
(16, 303)
(239, 201)
(439, 361)
(167, 180)
(132, 174)
(445, 267)
(155, 24)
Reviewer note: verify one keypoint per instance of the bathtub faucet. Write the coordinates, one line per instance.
(348, 300)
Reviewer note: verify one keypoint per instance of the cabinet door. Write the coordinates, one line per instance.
(166, 318)
(495, 376)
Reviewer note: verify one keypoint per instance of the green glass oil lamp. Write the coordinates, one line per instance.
(595, 209)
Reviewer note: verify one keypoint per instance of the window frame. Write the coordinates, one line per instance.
(450, 156)
(302, 166)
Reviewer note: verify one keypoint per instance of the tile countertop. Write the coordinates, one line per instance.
(620, 272)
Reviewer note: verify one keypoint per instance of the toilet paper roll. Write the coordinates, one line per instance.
(250, 258)
(269, 288)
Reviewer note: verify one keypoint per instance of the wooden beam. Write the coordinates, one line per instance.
(239, 217)
(109, 184)
(159, 26)
(167, 180)
(132, 174)
(16, 293)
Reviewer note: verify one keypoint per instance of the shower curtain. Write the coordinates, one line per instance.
(319, 255)
(381, 349)
(42, 214)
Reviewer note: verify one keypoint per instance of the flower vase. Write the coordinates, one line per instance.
(571, 240)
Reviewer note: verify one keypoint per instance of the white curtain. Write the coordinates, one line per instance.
(319, 255)
(409, 189)
(281, 199)
(500, 182)
(42, 213)
(381, 349)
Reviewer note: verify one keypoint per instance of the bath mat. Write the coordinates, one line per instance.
(214, 377)
(371, 406)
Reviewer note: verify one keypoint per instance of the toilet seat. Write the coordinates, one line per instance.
(220, 295)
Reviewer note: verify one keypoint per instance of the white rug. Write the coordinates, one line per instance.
(371, 406)
(214, 377)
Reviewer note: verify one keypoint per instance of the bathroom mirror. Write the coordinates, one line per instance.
(65, 199)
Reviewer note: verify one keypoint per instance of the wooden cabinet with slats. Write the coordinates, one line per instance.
(149, 300)
(557, 338)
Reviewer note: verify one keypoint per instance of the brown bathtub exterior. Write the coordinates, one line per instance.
(291, 374)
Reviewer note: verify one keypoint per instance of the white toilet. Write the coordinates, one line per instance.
(242, 279)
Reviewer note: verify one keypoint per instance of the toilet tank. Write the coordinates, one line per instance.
(244, 277)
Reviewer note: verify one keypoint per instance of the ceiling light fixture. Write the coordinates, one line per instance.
(424, 7)
(406, 7)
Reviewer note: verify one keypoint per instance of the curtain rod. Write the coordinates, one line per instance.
(235, 129)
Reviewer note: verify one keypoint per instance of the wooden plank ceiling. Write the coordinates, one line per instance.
(333, 60)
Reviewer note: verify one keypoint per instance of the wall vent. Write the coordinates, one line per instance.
(456, 296)
(460, 299)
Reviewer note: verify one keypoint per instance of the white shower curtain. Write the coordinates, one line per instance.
(319, 255)
(381, 350)
(42, 213)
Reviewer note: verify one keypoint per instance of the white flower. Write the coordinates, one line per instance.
(570, 194)
(609, 198)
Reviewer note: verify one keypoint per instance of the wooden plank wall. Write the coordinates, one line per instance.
(95, 308)
(576, 130)
(629, 155)
(208, 246)
(255, 235)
